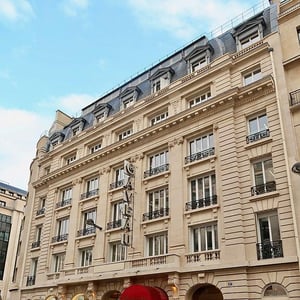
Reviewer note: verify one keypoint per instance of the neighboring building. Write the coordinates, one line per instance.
(188, 169)
(12, 203)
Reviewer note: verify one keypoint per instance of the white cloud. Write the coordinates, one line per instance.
(15, 10)
(73, 7)
(21, 131)
(186, 19)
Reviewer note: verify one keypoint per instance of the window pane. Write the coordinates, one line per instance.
(269, 170)
(275, 228)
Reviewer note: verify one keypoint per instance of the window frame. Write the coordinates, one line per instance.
(58, 262)
(155, 203)
(252, 76)
(159, 117)
(157, 244)
(122, 135)
(203, 96)
(85, 257)
(117, 251)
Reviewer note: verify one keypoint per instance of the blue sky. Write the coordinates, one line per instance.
(64, 54)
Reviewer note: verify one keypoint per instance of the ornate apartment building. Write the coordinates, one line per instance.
(12, 203)
(179, 183)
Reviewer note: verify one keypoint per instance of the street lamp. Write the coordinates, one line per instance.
(296, 168)
(92, 223)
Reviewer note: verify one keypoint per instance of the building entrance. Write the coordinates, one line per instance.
(207, 292)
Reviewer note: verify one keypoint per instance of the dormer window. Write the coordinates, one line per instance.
(56, 138)
(249, 33)
(199, 57)
(77, 126)
(101, 112)
(129, 96)
(160, 79)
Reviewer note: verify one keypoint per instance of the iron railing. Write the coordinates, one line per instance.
(263, 188)
(86, 231)
(36, 244)
(207, 201)
(89, 194)
(157, 170)
(200, 155)
(257, 136)
(269, 249)
(63, 203)
(30, 280)
(41, 211)
(113, 224)
(116, 184)
(162, 212)
(294, 97)
(60, 238)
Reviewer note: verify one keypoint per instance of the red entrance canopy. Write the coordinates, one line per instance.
(142, 292)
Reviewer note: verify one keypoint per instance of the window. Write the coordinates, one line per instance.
(118, 178)
(2, 203)
(252, 76)
(128, 102)
(298, 33)
(198, 63)
(158, 163)
(92, 188)
(249, 40)
(269, 242)
(5, 228)
(65, 197)
(199, 57)
(70, 159)
(257, 128)
(38, 235)
(95, 148)
(125, 134)
(204, 96)
(204, 238)
(129, 96)
(62, 230)
(115, 216)
(158, 204)
(47, 170)
(202, 192)
(263, 177)
(161, 78)
(86, 228)
(159, 118)
(157, 244)
(101, 112)
(86, 257)
(58, 262)
(117, 252)
(200, 147)
(274, 289)
(32, 275)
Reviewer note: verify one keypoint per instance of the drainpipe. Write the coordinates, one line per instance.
(285, 158)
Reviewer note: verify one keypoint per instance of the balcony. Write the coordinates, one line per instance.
(89, 194)
(269, 249)
(36, 244)
(113, 224)
(205, 202)
(41, 211)
(60, 238)
(200, 155)
(30, 280)
(294, 97)
(257, 136)
(203, 256)
(63, 203)
(116, 184)
(263, 188)
(86, 231)
(157, 170)
(163, 212)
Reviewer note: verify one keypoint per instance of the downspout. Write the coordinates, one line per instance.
(285, 157)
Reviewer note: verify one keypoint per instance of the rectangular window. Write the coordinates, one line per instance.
(33, 268)
(125, 134)
(92, 184)
(117, 252)
(118, 178)
(203, 188)
(58, 262)
(263, 177)
(249, 40)
(198, 63)
(156, 85)
(38, 235)
(269, 241)
(159, 118)
(86, 257)
(252, 76)
(62, 230)
(199, 146)
(204, 238)
(128, 102)
(298, 33)
(66, 194)
(95, 147)
(159, 159)
(2, 203)
(70, 159)
(257, 128)
(157, 244)
(204, 96)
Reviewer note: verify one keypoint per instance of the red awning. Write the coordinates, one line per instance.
(142, 292)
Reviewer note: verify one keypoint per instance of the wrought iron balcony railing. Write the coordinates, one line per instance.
(36, 244)
(41, 211)
(163, 212)
(86, 231)
(157, 170)
(113, 224)
(208, 201)
(63, 203)
(269, 249)
(60, 238)
(30, 280)
(294, 97)
(257, 136)
(263, 188)
(200, 155)
(116, 184)
(89, 194)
